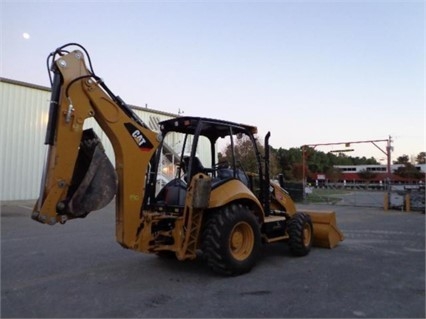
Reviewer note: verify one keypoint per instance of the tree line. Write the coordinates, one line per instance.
(289, 162)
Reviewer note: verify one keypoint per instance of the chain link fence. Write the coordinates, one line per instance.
(396, 197)
(407, 197)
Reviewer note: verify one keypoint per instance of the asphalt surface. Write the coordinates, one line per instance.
(77, 270)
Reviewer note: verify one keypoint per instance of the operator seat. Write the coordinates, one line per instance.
(227, 173)
(197, 167)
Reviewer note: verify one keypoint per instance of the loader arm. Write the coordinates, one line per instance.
(72, 182)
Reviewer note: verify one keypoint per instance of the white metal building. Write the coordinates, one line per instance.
(23, 118)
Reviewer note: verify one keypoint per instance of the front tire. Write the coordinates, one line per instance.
(300, 231)
(231, 240)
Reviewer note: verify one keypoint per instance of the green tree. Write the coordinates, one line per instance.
(319, 162)
(297, 172)
(246, 157)
(286, 160)
(289, 161)
(367, 175)
(334, 174)
(409, 171)
(421, 158)
(404, 159)
(364, 161)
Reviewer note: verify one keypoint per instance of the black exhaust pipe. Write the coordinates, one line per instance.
(266, 185)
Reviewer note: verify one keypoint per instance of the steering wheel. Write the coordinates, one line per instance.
(221, 164)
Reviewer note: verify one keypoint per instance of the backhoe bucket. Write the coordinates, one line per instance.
(94, 183)
(326, 233)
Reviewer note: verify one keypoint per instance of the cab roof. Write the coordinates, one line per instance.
(212, 128)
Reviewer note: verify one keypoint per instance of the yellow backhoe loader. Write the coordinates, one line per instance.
(173, 196)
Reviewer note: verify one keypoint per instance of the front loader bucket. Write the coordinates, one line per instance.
(326, 233)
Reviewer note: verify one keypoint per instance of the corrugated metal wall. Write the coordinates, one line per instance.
(23, 119)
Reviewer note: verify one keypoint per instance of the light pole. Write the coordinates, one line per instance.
(347, 144)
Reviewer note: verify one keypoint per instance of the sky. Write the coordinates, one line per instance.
(310, 72)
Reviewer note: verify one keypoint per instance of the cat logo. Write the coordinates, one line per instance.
(143, 143)
(137, 135)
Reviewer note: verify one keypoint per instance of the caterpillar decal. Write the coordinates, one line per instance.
(143, 143)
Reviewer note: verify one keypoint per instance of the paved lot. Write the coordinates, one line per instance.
(78, 270)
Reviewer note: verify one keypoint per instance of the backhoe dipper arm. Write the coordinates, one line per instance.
(78, 177)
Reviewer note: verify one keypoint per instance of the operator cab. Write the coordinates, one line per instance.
(193, 145)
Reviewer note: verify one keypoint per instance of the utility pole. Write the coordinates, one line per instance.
(389, 158)
(303, 172)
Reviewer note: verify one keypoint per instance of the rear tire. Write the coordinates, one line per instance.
(300, 231)
(231, 240)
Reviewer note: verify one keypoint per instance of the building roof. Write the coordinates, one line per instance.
(47, 89)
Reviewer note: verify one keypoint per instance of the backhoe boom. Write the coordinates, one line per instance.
(81, 95)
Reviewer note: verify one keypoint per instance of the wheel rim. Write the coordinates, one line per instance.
(241, 241)
(307, 233)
